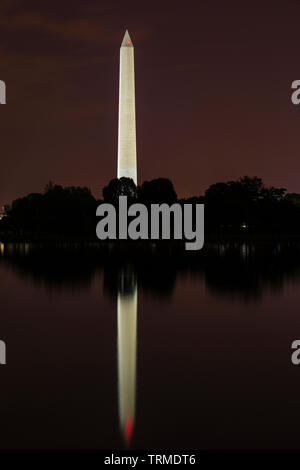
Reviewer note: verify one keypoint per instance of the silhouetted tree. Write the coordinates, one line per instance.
(293, 198)
(120, 187)
(159, 190)
(245, 201)
(58, 210)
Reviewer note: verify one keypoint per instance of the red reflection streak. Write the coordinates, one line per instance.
(128, 430)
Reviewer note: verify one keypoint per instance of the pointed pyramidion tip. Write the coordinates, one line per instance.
(126, 40)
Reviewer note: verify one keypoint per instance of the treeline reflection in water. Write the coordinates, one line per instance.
(234, 269)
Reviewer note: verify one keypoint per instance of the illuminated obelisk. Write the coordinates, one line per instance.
(127, 133)
(127, 331)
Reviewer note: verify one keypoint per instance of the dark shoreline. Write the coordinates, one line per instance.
(209, 238)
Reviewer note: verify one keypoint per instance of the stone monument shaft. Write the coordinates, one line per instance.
(127, 132)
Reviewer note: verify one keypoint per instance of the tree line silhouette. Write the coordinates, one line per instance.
(244, 205)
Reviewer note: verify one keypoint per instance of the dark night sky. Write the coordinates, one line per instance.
(212, 92)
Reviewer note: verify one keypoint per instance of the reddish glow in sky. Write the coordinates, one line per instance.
(212, 92)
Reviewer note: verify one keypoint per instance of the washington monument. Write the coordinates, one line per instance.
(126, 134)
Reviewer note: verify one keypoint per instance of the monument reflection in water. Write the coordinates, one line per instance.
(127, 348)
(223, 321)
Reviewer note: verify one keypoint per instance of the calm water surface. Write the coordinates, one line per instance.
(152, 349)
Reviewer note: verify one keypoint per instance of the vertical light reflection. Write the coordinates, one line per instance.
(127, 347)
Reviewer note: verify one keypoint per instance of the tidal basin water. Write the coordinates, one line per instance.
(149, 347)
